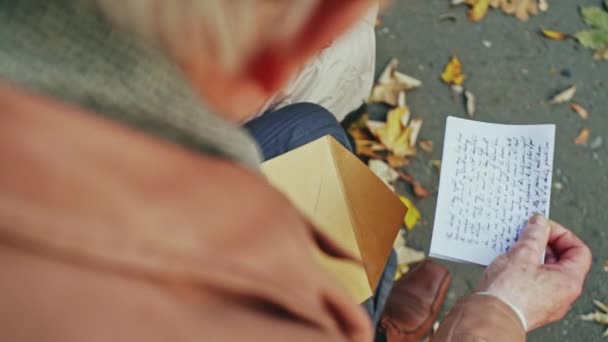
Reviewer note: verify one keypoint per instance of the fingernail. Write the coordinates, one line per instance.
(539, 219)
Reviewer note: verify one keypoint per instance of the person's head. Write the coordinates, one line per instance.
(237, 53)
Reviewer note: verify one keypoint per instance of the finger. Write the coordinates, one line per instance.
(533, 241)
(572, 253)
(550, 257)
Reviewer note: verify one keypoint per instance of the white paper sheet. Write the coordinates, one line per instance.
(493, 179)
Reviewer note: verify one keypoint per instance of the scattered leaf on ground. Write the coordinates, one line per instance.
(583, 137)
(397, 162)
(582, 112)
(601, 54)
(383, 171)
(408, 256)
(452, 73)
(419, 190)
(426, 145)
(369, 148)
(391, 83)
(478, 10)
(564, 96)
(596, 37)
(555, 35)
(470, 102)
(413, 214)
(416, 126)
(436, 164)
(599, 316)
(522, 9)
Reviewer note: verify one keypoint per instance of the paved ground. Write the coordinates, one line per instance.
(511, 79)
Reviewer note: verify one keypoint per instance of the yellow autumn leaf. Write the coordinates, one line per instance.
(389, 134)
(413, 214)
(453, 72)
(478, 10)
(555, 35)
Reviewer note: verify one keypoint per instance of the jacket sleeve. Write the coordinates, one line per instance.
(481, 318)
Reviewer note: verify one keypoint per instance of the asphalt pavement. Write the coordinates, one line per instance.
(512, 70)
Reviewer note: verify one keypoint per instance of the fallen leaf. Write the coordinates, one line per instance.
(419, 190)
(564, 96)
(555, 35)
(470, 102)
(595, 17)
(593, 39)
(426, 145)
(408, 256)
(582, 112)
(598, 316)
(596, 37)
(391, 83)
(397, 162)
(368, 148)
(413, 214)
(478, 10)
(452, 73)
(358, 133)
(583, 137)
(416, 126)
(601, 54)
(522, 9)
(389, 133)
(383, 171)
(436, 164)
(373, 125)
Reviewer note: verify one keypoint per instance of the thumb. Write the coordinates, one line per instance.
(533, 241)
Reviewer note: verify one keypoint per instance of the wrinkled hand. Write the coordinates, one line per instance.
(543, 292)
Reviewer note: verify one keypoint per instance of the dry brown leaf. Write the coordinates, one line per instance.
(426, 145)
(419, 190)
(358, 133)
(583, 137)
(601, 54)
(452, 74)
(522, 9)
(564, 96)
(582, 112)
(397, 161)
(368, 148)
(555, 35)
(478, 10)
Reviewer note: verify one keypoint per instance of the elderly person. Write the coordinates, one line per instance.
(130, 212)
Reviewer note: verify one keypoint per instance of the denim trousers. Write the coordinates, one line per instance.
(283, 130)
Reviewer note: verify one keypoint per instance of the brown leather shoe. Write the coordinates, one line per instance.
(414, 302)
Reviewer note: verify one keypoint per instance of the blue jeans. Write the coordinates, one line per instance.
(288, 128)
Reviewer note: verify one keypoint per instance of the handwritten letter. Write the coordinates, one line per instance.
(493, 179)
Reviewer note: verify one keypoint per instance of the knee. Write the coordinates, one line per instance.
(314, 122)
